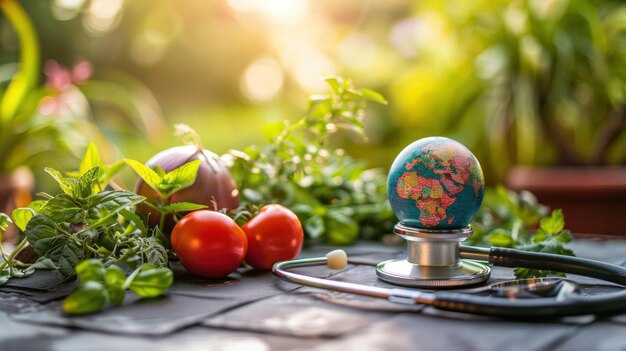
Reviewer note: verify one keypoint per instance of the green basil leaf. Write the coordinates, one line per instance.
(116, 294)
(148, 175)
(89, 298)
(21, 216)
(151, 281)
(183, 176)
(90, 270)
(183, 207)
(114, 275)
(46, 239)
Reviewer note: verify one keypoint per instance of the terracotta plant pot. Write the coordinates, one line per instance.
(593, 199)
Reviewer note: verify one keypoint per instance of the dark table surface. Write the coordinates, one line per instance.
(255, 311)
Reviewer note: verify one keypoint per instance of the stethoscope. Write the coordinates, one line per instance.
(525, 298)
(436, 260)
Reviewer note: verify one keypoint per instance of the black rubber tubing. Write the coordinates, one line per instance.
(610, 303)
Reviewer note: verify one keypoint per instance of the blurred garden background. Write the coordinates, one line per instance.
(537, 82)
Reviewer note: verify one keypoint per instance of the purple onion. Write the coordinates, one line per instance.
(214, 186)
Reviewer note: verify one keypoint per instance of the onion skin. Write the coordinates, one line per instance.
(213, 183)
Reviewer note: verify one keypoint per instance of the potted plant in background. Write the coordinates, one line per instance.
(54, 121)
(558, 92)
(537, 89)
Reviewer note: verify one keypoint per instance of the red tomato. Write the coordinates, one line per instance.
(209, 244)
(274, 235)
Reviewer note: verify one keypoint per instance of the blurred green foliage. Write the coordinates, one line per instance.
(523, 81)
(337, 198)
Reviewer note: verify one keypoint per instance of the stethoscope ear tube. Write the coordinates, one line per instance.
(504, 257)
(573, 305)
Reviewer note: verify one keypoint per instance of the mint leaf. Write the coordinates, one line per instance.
(182, 207)
(91, 159)
(183, 176)
(49, 241)
(64, 208)
(88, 181)
(553, 224)
(104, 205)
(148, 175)
(68, 185)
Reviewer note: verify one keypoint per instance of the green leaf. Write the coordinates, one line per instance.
(564, 237)
(340, 229)
(133, 219)
(90, 270)
(314, 227)
(500, 237)
(114, 275)
(148, 175)
(116, 294)
(183, 207)
(88, 181)
(91, 159)
(68, 185)
(106, 204)
(183, 176)
(373, 96)
(334, 84)
(22, 215)
(553, 224)
(114, 279)
(153, 251)
(89, 298)
(63, 208)
(151, 281)
(46, 239)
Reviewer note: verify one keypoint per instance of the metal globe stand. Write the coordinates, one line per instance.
(433, 260)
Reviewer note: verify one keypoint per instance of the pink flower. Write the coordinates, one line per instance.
(60, 81)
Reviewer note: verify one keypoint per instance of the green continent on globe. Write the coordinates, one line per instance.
(446, 172)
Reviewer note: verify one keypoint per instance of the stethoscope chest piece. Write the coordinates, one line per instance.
(433, 260)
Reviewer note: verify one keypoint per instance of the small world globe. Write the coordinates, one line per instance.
(435, 183)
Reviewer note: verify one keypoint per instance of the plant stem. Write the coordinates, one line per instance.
(163, 214)
(17, 250)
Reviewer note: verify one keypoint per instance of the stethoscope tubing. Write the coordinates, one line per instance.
(569, 305)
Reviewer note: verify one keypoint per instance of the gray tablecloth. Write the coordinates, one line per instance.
(255, 311)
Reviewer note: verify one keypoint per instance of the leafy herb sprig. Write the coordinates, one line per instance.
(86, 228)
(509, 219)
(335, 197)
